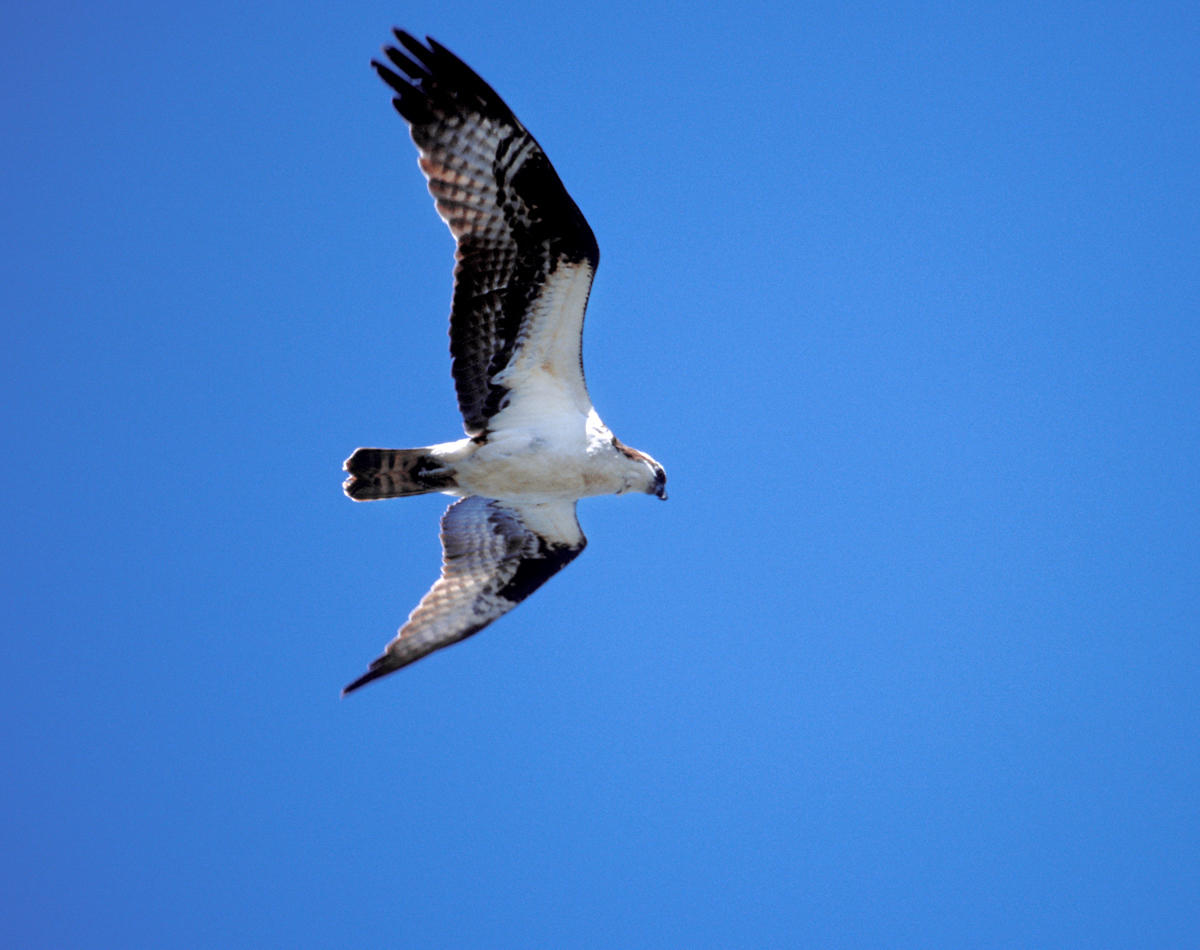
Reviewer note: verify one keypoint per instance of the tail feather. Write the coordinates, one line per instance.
(392, 473)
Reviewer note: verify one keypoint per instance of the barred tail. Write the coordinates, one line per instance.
(390, 473)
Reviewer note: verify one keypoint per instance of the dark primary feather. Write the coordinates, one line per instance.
(513, 220)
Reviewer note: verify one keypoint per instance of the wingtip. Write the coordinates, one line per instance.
(411, 44)
(359, 683)
(379, 667)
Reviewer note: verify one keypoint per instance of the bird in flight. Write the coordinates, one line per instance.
(524, 262)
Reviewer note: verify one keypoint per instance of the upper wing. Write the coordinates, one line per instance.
(494, 555)
(525, 256)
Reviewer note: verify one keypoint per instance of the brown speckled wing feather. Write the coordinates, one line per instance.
(494, 555)
(511, 217)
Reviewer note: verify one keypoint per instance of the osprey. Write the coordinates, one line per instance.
(524, 262)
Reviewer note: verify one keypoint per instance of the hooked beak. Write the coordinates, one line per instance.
(660, 481)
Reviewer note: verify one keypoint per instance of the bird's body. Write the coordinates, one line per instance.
(525, 260)
(571, 459)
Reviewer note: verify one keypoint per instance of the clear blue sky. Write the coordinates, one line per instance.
(905, 300)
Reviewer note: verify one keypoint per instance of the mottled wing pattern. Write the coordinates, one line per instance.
(513, 221)
(494, 555)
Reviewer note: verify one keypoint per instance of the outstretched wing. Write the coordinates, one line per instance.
(525, 255)
(494, 555)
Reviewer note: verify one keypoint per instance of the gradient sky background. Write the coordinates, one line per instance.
(905, 300)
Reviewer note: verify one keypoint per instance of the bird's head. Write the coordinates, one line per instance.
(642, 473)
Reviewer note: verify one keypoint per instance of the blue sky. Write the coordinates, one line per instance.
(906, 302)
